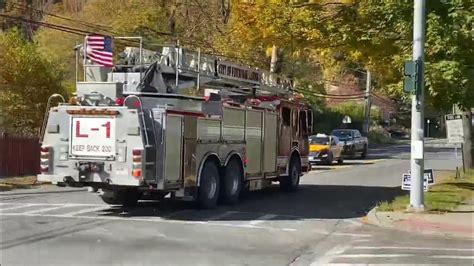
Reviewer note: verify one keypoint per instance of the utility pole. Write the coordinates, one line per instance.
(368, 104)
(468, 140)
(417, 112)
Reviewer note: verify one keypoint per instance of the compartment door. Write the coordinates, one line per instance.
(173, 150)
(253, 135)
(270, 143)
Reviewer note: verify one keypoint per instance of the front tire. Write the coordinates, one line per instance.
(329, 159)
(291, 182)
(363, 155)
(208, 191)
(231, 184)
(340, 160)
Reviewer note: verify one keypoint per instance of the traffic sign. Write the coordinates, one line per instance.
(454, 127)
(347, 119)
(406, 183)
(428, 179)
(429, 176)
(411, 76)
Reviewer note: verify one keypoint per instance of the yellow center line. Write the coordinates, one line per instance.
(373, 161)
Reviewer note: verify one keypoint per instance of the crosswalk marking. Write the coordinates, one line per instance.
(16, 207)
(48, 209)
(262, 219)
(100, 208)
(352, 256)
(361, 240)
(453, 257)
(153, 219)
(417, 248)
(52, 204)
(224, 218)
(86, 212)
(327, 257)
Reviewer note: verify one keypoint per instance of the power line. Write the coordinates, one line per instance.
(49, 25)
(42, 12)
(101, 28)
(330, 96)
(384, 101)
(62, 28)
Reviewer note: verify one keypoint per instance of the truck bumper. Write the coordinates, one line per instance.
(54, 179)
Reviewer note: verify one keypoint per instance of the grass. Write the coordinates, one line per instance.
(10, 183)
(442, 197)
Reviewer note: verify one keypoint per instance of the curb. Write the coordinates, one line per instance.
(373, 219)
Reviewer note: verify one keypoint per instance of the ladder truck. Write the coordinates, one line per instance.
(131, 133)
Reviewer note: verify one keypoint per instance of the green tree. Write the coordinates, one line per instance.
(26, 81)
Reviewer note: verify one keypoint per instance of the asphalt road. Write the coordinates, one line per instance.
(319, 224)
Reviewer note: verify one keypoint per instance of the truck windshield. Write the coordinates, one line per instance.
(319, 140)
(342, 134)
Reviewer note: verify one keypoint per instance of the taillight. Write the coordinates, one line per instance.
(246, 161)
(137, 173)
(137, 152)
(45, 157)
(137, 159)
(119, 101)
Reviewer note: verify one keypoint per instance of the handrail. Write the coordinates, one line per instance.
(46, 115)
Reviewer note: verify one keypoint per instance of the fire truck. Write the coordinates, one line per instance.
(136, 132)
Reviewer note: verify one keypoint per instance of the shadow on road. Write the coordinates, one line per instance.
(310, 202)
(388, 152)
(336, 166)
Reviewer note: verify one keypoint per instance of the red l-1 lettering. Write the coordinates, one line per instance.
(78, 131)
(107, 129)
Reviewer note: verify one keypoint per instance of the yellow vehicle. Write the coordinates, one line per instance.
(325, 149)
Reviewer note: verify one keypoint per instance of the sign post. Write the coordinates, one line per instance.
(455, 133)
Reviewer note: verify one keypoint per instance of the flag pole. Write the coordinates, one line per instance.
(85, 57)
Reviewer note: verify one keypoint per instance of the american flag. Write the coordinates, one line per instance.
(99, 50)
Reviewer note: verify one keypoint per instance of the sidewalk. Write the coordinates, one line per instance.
(22, 182)
(458, 224)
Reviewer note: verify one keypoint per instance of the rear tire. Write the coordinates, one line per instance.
(127, 198)
(231, 182)
(208, 191)
(363, 155)
(291, 182)
(340, 160)
(329, 159)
